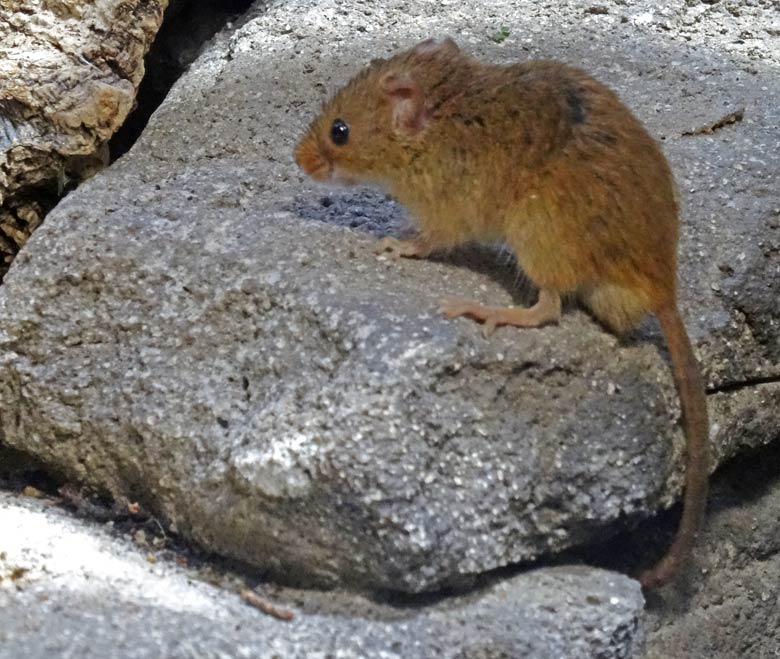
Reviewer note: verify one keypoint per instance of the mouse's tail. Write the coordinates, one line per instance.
(690, 387)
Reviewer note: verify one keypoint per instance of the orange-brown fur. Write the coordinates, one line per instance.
(544, 158)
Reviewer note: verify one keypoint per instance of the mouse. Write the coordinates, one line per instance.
(540, 157)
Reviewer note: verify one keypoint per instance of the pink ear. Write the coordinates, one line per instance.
(407, 102)
(431, 46)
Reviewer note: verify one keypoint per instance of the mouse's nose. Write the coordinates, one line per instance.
(311, 160)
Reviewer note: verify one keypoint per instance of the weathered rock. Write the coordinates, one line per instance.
(196, 340)
(68, 75)
(68, 589)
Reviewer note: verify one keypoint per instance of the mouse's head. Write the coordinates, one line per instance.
(370, 128)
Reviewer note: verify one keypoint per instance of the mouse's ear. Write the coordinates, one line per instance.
(431, 47)
(407, 102)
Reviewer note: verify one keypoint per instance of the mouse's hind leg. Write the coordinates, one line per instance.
(546, 310)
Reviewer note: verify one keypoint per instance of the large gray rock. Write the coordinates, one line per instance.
(69, 71)
(68, 589)
(184, 330)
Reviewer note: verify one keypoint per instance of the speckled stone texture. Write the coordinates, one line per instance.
(197, 328)
(69, 589)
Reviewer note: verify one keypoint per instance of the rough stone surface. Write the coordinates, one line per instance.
(201, 337)
(68, 75)
(69, 589)
(727, 603)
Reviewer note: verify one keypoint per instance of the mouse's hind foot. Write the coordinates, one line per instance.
(416, 248)
(546, 310)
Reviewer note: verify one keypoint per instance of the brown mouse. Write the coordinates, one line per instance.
(547, 160)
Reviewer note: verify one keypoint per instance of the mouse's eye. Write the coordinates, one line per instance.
(339, 132)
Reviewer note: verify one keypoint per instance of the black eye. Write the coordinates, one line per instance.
(339, 132)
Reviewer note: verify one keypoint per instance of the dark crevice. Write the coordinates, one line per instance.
(730, 387)
(187, 26)
(22, 214)
(20, 470)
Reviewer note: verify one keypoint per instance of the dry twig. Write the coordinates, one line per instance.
(730, 118)
(262, 604)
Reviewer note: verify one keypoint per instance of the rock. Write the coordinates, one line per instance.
(68, 75)
(202, 338)
(70, 589)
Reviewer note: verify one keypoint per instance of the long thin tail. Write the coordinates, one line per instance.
(690, 387)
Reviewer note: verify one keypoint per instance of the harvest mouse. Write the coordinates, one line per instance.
(548, 161)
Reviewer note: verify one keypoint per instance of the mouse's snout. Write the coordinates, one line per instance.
(311, 159)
